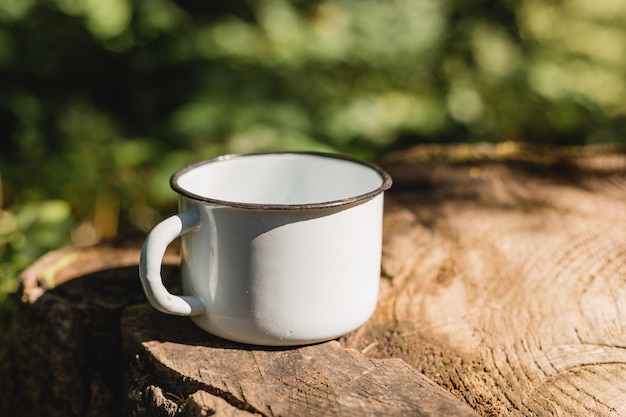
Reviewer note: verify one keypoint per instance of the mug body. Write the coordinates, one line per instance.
(288, 247)
(272, 277)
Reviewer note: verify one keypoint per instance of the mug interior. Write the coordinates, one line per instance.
(281, 180)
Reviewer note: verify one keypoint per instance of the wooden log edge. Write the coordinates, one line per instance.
(174, 362)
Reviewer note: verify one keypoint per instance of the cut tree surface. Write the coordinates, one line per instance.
(506, 277)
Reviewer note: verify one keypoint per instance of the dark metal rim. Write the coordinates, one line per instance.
(385, 185)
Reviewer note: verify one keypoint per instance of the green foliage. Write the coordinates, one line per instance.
(101, 100)
(24, 234)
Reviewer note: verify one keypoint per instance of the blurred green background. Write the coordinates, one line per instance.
(101, 100)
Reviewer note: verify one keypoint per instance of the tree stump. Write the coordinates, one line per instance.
(502, 291)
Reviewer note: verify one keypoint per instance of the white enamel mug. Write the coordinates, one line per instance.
(277, 248)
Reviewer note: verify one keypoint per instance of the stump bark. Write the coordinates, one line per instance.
(61, 353)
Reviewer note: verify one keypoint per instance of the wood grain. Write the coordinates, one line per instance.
(506, 278)
(173, 357)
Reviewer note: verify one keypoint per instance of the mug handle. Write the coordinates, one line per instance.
(150, 265)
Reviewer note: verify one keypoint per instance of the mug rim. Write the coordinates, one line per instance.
(385, 185)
